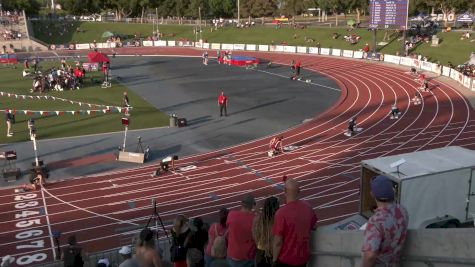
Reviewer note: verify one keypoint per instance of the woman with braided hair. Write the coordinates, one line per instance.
(262, 232)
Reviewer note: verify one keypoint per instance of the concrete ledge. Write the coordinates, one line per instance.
(426, 247)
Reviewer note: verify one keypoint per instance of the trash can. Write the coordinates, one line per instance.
(173, 120)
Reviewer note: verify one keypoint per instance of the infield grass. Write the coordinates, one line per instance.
(143, 115)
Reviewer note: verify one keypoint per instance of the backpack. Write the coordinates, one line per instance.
(72, 257)
(218, 249)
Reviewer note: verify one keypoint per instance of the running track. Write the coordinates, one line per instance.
(104, 211)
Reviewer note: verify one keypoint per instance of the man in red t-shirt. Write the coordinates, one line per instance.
(293, 225)
(223, 104)
(241, 246)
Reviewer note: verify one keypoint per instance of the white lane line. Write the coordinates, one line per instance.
(48, 222)
(287, 77)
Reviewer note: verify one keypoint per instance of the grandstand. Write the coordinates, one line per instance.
(15, 34)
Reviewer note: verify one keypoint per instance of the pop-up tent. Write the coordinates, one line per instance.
(96, 57)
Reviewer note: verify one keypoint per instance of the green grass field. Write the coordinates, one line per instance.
(143, 114)
(451, 49)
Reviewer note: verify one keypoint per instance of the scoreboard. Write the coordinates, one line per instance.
(389, 14)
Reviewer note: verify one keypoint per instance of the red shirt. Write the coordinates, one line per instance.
(212, 236)
(222, 100)
(275, 143)
(294, 223)
(241, 245)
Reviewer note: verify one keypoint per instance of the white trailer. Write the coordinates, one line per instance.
(436, 186)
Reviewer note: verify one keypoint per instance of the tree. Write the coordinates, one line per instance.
(144, 4)
(263, 8)
(222, 8)
(449, 6)
(195, 6)
(293, 7)
(30, 6)
(124, 8)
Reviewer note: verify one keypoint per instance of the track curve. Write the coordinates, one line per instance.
(104, 210)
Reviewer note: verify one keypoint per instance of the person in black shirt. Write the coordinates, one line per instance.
(195, 244)
(72, 254)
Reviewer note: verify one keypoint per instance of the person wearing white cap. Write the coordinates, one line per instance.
(126, 253)
(103, 263)
(7, 261)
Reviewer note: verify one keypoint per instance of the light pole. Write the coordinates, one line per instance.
(239, 14)
(199, 11)
(125, 122)
(32, 128)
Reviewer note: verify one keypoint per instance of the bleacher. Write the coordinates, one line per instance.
(15, 34)
(12, 26)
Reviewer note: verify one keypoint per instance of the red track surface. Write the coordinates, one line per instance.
(326, 162)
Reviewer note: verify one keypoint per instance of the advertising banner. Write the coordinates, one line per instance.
(358, 54)
(263, 48)
(147, 43)
(313, 50)
(467, 81)
(302, 49)
(161, 43)
(251, 47)
(215, 46)
(392, 59)
(227, 46)
(239, 46)
(82, 46)
(325, 51)
(348, 53)
(336, 52)
(406, 61)
(290, 49)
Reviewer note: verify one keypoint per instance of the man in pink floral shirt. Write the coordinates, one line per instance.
(386, 230)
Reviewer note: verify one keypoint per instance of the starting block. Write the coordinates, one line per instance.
(290, 148)
(416, 101)
(357, 130)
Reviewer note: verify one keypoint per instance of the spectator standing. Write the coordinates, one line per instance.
(179, 233)
(216, 230)
(223, 104)
(126, 103)
(262, 231)
(145, 252)
(35, 65)
(72, 254)
(10, 119)
(241, 246)
(126, 253)
(386, 230)
(195, 244)
(292, 229)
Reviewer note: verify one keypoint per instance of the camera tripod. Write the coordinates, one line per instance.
(156, 217)
(140, 149)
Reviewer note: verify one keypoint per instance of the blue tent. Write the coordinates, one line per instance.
(466, 18)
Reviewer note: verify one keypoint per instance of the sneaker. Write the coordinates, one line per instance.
(9, 135)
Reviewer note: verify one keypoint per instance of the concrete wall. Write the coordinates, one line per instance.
(424, 248)
(24, 45)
